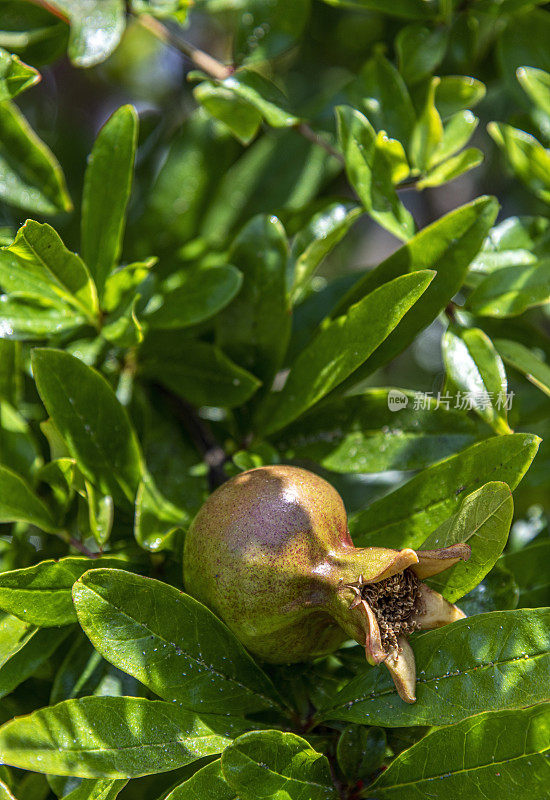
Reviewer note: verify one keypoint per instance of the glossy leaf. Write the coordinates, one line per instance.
(497, 591)
(315, 241)
(407, 515)
(492, 752)
(496, 660)
(92, 422)
(483, 521)
(254, 329)
(107, 186)
(452, 168)
(261, 94)
(536, 83)
(15, 76)
(23, 649)
(528, 566)
(366, 433)
(452, 241)
(381, 94)
(525, 361)
(30, 176)
(156, 518)
(96, 28)
(402, 9)
(509, 291)
(476, 369)
(107, 737)
(242, 118)
(427, 135)
(420, 51)
(41, 594)
(196, 295)
(28, 321)
(199, 372)
(341, 346)
(272, 763)
(457, 132)
(99, 789)
(18, 502)
(527, 157)
(207, 783)
(171, 643)
(5, 793)
(457, 92)
(369, 172)
(41, 265)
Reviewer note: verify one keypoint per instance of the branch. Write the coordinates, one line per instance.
(207, 63)
(218, 71)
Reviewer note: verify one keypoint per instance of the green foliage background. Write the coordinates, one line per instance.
(249, 222)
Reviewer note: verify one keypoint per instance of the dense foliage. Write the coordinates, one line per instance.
(191, 301)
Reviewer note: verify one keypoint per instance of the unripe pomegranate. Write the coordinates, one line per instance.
(270, 553)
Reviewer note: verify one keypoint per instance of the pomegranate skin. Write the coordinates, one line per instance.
(258, 554)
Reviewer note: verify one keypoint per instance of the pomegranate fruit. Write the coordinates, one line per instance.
(270, 553)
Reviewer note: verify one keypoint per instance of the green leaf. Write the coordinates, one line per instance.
(496, 660)
(476, 369)
(527, 157)
(107, 186)
(18, 502)
(15, 76)
(96, 28)
(195, 295)
(30, 176)
(207, 783)
(364, 433)
(107, 737)
(171, 643)
(97, 790)
(525, 361)
(269, 28)
(427, 135)
(528, 566)
(46, 268)
(457, 132)
(162, 9)
(497, 591)
(263, 95)
(491, 754)
(420, 51)
(27, 321)
(370, 174)
(254, 329)
(536, 83)
(316, 240)
(448, 246)
(509, 291)
(41, 594)
(360, 751)
(340, 347)
(242, 118)
(515, 241)
(381, 94)
(407, 515)
(199, 372)
(276, 764)
(483, 521)
(23, 649)
(156, 518)
(10, 369)
(457, 92)
(5, 793)
(452, 168)
(92, 422)
(123, 284)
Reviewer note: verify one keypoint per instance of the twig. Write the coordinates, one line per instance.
(215, 69)
(211, 451)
